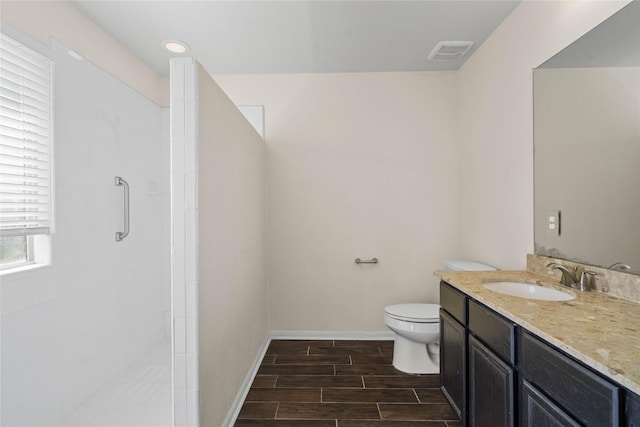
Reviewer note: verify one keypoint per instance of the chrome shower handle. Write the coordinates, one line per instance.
(120, 235)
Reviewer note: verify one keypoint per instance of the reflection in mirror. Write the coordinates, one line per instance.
(587, 147)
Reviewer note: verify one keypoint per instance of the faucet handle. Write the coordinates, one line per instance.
(619, 266)
(586, 280)
(569, 278)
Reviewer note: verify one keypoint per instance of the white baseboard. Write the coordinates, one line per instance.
(233, 413)
(331, 335)
(236, 406)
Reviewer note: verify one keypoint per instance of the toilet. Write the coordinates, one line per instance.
(416, 329)
(417, 335)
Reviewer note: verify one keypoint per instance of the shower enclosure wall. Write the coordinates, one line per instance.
(101, 309)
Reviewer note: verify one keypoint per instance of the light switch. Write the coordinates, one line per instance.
(553, 223)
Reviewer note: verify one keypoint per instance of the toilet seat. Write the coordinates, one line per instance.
(416, 313)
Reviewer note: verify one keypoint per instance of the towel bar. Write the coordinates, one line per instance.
(366, 261)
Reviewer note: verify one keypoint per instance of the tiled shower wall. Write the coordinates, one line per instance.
(69, 327)
(185, 243)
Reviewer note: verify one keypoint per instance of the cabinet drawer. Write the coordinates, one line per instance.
(453, 302)
(587, 397)
(493, 330)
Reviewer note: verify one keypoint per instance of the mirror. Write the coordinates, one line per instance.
(587, 147)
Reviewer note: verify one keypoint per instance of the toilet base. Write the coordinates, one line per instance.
(415, 358)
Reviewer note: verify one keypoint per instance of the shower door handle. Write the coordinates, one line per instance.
(120, 235)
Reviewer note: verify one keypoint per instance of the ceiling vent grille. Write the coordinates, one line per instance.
(448, 51)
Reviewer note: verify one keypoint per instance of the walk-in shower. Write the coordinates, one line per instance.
(86, 339)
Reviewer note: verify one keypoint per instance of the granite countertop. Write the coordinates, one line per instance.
(601, 331)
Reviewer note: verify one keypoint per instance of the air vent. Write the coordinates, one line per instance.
(448, 51)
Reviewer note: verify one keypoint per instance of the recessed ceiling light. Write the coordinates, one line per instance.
(175, 46)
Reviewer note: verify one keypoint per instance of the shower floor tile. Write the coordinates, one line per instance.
(140, 397)
(341, 384)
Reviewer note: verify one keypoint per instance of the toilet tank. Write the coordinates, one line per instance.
(464, 265)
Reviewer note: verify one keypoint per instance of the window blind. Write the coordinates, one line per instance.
(25, 140)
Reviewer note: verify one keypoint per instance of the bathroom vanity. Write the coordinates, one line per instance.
(508, 361)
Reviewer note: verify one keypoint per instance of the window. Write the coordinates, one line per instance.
(25, 151)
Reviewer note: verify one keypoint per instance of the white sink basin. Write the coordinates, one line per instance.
(528, 291)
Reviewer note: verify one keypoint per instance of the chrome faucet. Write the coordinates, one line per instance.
(570, 279)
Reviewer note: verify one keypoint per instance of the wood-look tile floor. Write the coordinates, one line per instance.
(341, 384)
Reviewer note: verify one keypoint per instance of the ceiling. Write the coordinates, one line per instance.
(262, 37)
(613, 43)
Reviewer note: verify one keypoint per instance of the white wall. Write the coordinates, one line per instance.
(495, 122)
(360, 165)
(69, 327)
(233, 286)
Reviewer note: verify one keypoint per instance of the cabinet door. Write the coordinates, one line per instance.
(538, 411)
(491, 400)
(452, 363)
(632, 410)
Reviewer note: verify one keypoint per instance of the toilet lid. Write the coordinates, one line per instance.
(414, 312)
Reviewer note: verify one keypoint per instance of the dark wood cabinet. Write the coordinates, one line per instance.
(453, 360)
(453, 302)
(632, 410)
(496, 332)
(491, 396)
(537, 410)
(453, 348)
(495, 373)
(589, 398)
